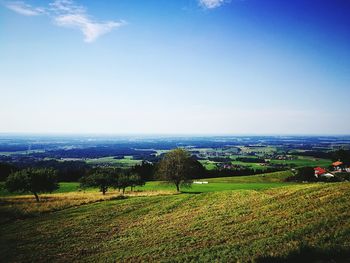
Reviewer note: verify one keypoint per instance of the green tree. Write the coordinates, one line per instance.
(5, 170)
(304, 174)
(145, 170)
(127, 178)
(135, 180)
(177, 167)
(123, 181)
(32, 180)
(342, 155)
(104, 178)
(101, 178)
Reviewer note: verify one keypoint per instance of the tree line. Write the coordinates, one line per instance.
(176, 167)
(105, 178)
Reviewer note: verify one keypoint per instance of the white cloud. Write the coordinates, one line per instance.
(66, 7)
(67, 13)
(90, 29)
(210, 4)
(25, 9)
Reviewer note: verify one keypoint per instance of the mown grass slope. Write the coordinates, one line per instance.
(23, 205)
(244, 225)
(275, 177)
(252, 182)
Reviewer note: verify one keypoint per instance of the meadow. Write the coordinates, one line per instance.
(249, 218)
(125, 162)
(19, 206)
(241, 225)
(302, 161)
(299, 161)
(256, 182)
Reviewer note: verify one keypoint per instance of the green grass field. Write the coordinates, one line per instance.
(255, 166)
(255, 182)
(275, 177)
(302, 161)
(209, 165)
(126, 162)
(225, 226)
(247, 218)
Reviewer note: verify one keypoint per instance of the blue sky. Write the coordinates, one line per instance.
(175, 67)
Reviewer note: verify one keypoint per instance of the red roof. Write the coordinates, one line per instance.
(337, 163)
(319, 170)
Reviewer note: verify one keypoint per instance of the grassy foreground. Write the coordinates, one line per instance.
(243, 225)
(19, 206)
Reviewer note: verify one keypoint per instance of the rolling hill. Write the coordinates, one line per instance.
(294, 222)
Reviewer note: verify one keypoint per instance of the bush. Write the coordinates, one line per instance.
(104, 178)
(303, 174)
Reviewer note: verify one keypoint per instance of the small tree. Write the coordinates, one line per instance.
(5, 170)
(176, 167)
(135, 180)
(101, 178)
(145, 170)
(342, 155)
(123, 181)
(32, 180)
(110, 177)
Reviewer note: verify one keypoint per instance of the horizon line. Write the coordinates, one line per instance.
(131, 134)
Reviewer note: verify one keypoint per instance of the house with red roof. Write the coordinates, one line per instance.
(320, 172)
(337, 166)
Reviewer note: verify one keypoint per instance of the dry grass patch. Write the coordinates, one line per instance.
(22, 206)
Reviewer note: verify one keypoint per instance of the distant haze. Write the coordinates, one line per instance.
(175, 67)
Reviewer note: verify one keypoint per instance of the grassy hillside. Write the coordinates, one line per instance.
(15, 206)
(262, 181)
(244, 225)
(252, 182)
(275, 177)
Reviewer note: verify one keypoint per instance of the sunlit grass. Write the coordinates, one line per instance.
(225, 226)
(22, 206)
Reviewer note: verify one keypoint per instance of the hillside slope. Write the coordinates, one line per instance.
(241, 225)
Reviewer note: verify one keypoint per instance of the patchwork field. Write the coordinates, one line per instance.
(252, 218)
(126, 162)
(299, 161)
(302, 161)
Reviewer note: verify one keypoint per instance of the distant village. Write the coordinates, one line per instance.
(223, 160)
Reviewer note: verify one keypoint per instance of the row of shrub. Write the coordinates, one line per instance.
(44, 180)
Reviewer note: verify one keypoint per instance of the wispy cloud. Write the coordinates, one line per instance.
(66, 6)
(67, 13)
(210, 4)
(24, 9)
(90, 29)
